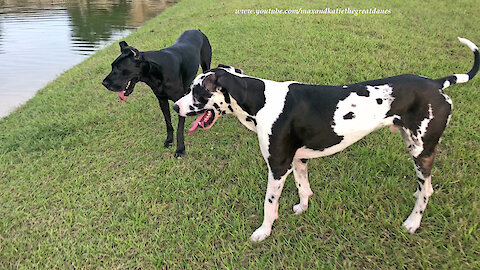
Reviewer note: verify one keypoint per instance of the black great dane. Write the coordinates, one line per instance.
(169, 73)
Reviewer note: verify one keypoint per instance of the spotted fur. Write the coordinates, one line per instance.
(295, 122)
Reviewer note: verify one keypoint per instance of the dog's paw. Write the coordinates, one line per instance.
(298, 208)
(260, 234)
(180, 153)
(412, 223)
(168, 143)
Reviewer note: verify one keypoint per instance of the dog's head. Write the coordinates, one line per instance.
(126, 71)
(213, 94)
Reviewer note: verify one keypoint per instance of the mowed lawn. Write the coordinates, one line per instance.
(86, 183)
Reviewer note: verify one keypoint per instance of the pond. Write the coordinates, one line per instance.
(39, 39)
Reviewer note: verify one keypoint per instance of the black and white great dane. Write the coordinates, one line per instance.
(296, 121)
(169, 73)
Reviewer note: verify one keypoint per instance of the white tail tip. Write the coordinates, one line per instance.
(470, 44)
(461, 78)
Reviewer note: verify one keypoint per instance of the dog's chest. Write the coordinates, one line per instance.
(275, 95)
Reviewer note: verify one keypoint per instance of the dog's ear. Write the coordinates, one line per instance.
(235, 86)
(127, 50)
(239, 70)
(136, 53)
(210, 83)
(123, 45)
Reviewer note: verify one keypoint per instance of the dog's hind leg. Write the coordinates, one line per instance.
(301, 180)
(423, 144)
(423, 168)
(205, 55)
(168, 120)
(422, 140)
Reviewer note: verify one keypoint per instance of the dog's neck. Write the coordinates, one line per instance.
(246, 119)
(151, 75)
(152, 82)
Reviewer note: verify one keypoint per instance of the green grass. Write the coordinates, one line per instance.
(86, 183)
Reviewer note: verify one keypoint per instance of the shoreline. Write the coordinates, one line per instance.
(74, 35)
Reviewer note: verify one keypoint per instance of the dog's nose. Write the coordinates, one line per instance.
(176, 108)
(105, 83)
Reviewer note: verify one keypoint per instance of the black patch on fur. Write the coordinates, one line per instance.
(349, 116)
(421, 212)
(199, 106)
(354, 105)
(332, 123)
(398, 122)
(251, 99)
(192, 114)
(216, 106)
(201, 95)
(379, 101)
(270, 201)
(230, 108)
(273, 197)
(191, 108)
(360, 89)
(294, 128)
(412, 95)
(421, 181)
(251, 119)
(424, 199)
(223, 66)
(226, 96)
(304, 160)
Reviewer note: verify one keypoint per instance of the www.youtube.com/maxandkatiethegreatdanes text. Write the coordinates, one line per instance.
(325, 11)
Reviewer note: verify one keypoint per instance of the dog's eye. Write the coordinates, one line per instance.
(203, 100)
(196, 98)
(200, 98)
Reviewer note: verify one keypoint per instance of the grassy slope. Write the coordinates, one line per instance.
(85, 180)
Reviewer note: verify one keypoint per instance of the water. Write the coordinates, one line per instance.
(39, 39)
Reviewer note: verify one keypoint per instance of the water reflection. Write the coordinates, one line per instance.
(41, 38)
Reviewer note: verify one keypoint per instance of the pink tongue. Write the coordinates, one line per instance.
(196, 123)
(121, 96)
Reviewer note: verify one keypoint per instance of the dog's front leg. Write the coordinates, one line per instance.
(274, 190)
(168, 120)
(180, 138)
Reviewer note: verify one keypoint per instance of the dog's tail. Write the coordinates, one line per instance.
(461, 78)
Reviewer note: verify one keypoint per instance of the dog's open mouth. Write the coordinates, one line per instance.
(205, 121)
(127, 91)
